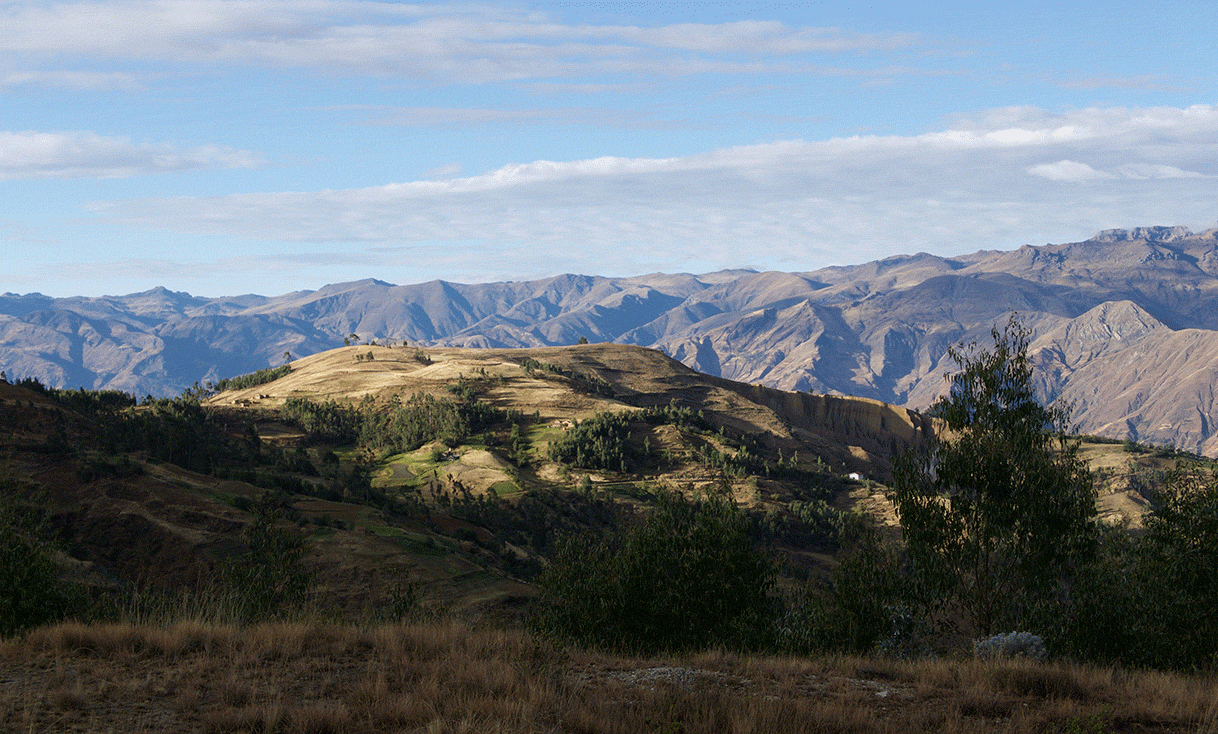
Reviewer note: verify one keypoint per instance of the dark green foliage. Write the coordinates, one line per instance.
(1153, 600)
(1181, 549)
(424, 418)
(581, 382)
(326, 421)
(599, 442)
(91, 467)
(1092, 438)
(463, 390)
(519, 448)
(534, 520)
(93, 401)
(270, 580)
(402, 604)
(864, 607)
(745, 460)
(81, 400)
(30, 383)
(675, 415)
(689, 578)
(997, 510)
(253, 379)
(813, 525)
(1106, 619)
(198, 392)
(176, 431)
(32, 591)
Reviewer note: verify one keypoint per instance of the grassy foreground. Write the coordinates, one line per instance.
(446, 676)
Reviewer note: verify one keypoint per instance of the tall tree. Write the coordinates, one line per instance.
(999, 506)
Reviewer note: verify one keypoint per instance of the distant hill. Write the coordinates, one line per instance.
(1124, 326)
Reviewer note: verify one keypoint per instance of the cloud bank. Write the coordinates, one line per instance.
(454, 43)
(1013, 173)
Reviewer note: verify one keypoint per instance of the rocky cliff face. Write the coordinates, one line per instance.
(1124, 325)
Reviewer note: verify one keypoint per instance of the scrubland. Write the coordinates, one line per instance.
(448, 676)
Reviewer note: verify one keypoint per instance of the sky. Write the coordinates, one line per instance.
(223, 147)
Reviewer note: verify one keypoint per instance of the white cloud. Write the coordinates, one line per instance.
(1068, 171)
(1154, 170)
(444, 43)
(78, 80)
(791, 203)
(80, 154)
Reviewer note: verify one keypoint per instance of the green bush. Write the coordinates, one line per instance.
(261, 377)
(689, 578)
(599, 442)
(865, 606)
(269, 580)
(32, 590)
(1153, 600)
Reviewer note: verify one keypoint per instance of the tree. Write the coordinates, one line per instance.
(997, 509)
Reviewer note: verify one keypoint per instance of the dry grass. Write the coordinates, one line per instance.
(448, 677)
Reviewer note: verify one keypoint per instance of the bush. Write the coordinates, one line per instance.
(863, 608)
(32, 591)
(599, 442)
(687, 579)
(1011, 645)
(270, 579)
(1149, 600)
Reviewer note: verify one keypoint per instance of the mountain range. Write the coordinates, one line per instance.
(1124, 327)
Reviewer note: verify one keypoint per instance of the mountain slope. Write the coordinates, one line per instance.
(878, 330)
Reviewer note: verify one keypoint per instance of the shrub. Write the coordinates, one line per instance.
(599, 442)
(861, 609)
(32, 591)
(1011, 645)
(270, 579)
(253, 379)
(687, 579)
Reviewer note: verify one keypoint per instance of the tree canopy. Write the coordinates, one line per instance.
(999, 506)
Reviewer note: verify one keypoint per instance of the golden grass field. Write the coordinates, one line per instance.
(446, 676)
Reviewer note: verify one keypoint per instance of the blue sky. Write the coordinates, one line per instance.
(261, 146)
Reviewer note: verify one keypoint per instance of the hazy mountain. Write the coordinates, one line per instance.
(1124, 326)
